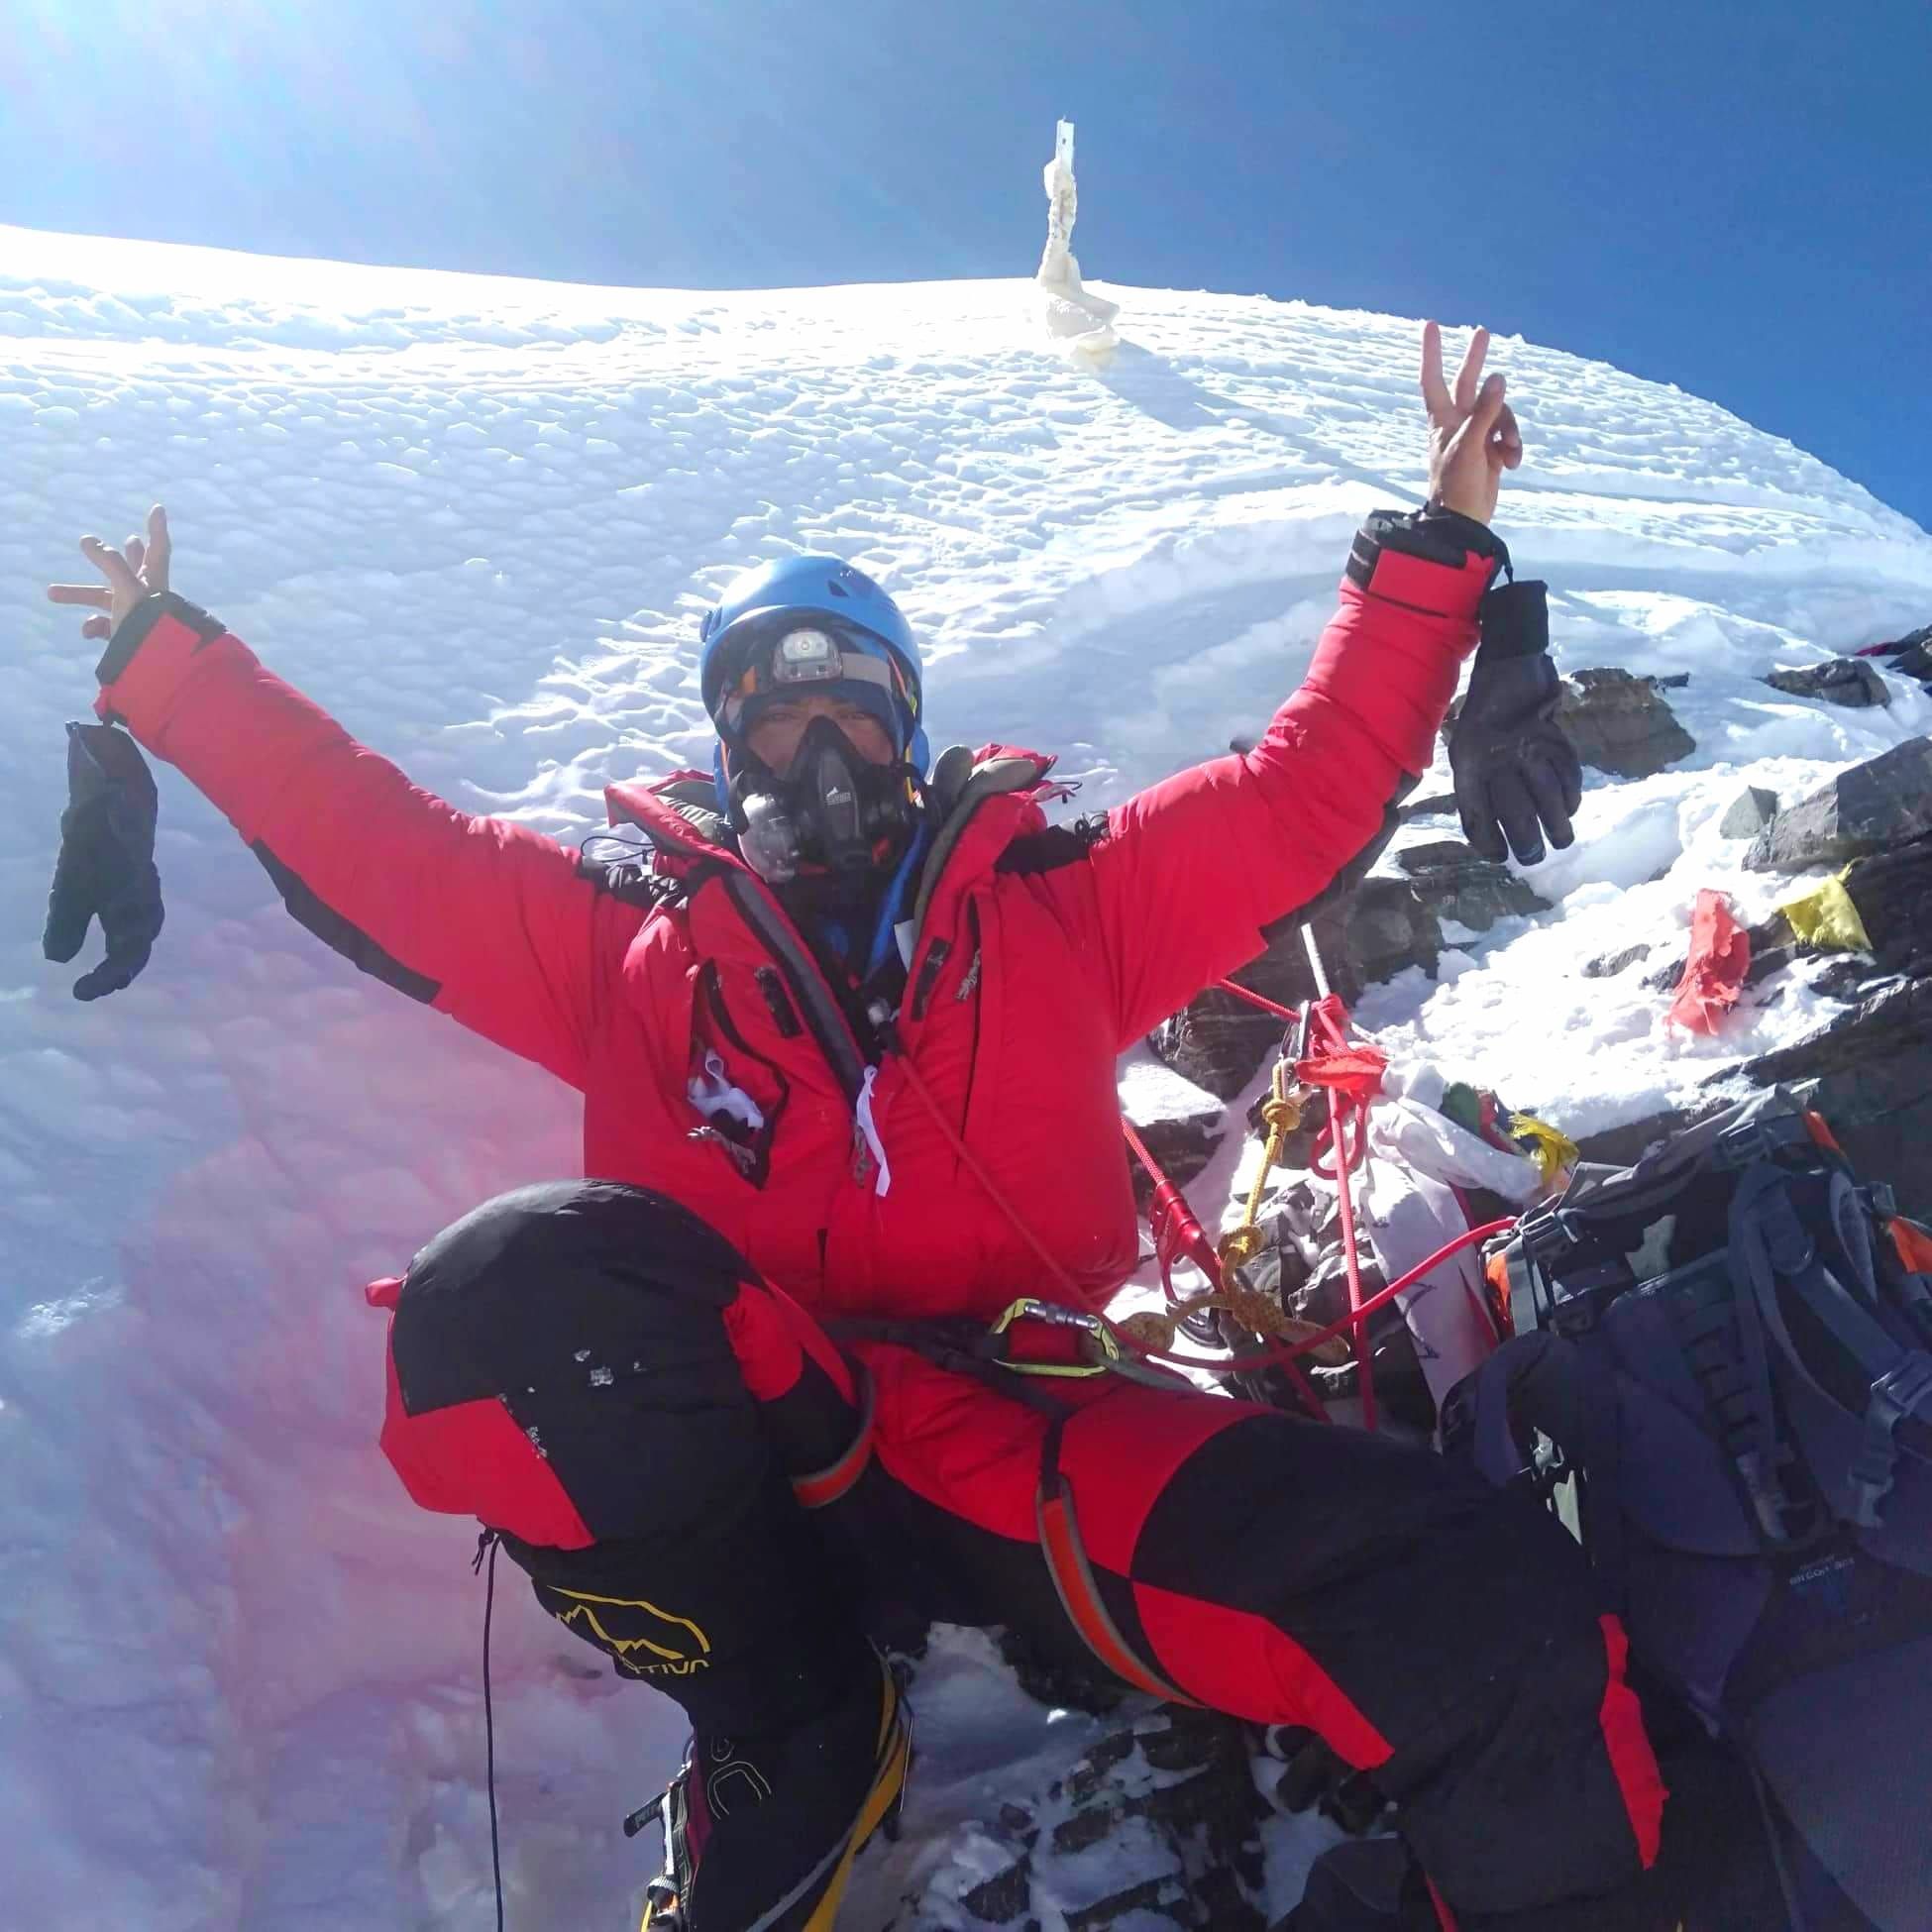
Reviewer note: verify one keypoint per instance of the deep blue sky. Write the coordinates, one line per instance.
(1734, 195)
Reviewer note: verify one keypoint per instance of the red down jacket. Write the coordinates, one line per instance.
(1040, 955)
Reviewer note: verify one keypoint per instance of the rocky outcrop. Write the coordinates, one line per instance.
(1181, 1148)
(1609, 965)
(1216, 1041)
(1621, 724)
(1852, 682)
(1909, 656)
(1865, 1073)
(1885, 802)
(1892, 891)
(1751, 812)
(1450, 879)
(1369, 934)
(1169, 1798)
(1391, 926)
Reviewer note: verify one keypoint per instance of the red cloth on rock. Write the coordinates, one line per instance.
(1713, 975)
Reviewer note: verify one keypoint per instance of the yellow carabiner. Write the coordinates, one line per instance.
(1091, 1326)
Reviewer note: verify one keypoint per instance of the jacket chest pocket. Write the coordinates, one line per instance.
(738, 1092)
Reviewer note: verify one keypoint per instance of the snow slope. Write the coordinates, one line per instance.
(477, 518)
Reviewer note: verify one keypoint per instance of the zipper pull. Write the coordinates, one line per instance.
(782, 1015)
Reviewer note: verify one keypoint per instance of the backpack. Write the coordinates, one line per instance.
(1729, 1345)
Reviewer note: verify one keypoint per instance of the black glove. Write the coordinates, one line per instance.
(106, 868)
(1517, 776)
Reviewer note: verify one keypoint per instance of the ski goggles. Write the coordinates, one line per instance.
(794, 659)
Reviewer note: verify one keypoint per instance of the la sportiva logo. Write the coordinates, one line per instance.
(644, 1641)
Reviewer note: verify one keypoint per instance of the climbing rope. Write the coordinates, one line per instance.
(1283, 1356)
(1327, 1061)
(1281, 1115)
(1351, 1076)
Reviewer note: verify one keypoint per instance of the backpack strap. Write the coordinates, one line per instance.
(1546, 1382)
(1769, 1240)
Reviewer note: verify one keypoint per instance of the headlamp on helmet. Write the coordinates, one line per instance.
(801, 656)
(806, 657)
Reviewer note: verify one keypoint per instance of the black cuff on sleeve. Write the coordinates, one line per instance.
(1439, 536)
(134, 626)
(1515, 620)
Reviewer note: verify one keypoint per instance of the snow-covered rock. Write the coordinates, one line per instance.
(1865, 808)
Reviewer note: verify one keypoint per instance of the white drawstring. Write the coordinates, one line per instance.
(870, 1129)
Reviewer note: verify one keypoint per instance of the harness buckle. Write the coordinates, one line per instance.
(1902, 1390)
(1762, 1138)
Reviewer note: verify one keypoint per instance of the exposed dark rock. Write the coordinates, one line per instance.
(1865, 1073)
(1370, 934)
(1182, 1145)
(1750, 813)
(1216, 1041)
(1621, 724)
(1666, 978)
(1852, 682)
(1609, 965)
(1885, 802)
(1909, 656)
(1769, 960)
(1846, 976)
(1062, 1679)
(1180, 1782)
(1391, 927)
(1892, 891)
(1454, 884)
(1439, 804)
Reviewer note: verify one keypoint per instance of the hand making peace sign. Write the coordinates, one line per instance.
(1472, 433)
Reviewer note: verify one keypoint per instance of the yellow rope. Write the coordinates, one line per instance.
(1281, 1113)
(1260, 1314)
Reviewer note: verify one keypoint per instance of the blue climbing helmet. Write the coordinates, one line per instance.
(812, 622)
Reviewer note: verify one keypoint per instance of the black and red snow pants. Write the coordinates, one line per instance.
(702, 1485)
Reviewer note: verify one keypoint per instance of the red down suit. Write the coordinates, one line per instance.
(1273, 1567)
(1037, 958)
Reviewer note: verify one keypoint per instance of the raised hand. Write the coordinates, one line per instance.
(1472, 433)
(133, 573)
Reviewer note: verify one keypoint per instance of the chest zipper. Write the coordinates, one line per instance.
(969, 988)
(937, 956)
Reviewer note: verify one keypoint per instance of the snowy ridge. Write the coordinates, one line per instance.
(475, 519)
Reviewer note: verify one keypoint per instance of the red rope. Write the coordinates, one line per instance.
(1177, 1230)
(1278, 1354)
(1351, 1076)
(1254, 999)
(1179, 1236)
